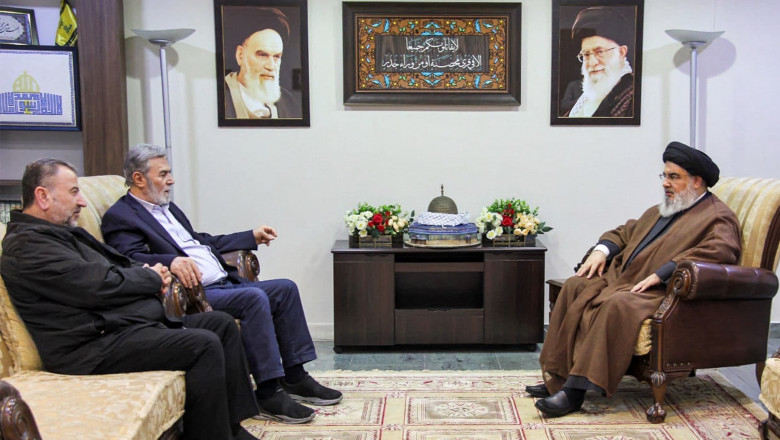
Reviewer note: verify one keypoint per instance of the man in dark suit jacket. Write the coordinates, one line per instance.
(91, 310)
(146, 226)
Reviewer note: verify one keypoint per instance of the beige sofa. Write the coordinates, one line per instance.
(133, 406)
(770, 396)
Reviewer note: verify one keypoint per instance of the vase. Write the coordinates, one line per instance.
(510, 241)
(382, 241)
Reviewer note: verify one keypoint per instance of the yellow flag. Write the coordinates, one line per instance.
(66, 30)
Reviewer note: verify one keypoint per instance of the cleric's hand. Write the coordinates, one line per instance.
(595, 263)
(647, 283)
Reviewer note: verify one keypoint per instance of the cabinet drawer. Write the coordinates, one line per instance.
(449, 326)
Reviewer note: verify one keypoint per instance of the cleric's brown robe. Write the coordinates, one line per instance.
(595, 322)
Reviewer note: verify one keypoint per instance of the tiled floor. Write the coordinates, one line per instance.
(478, 358)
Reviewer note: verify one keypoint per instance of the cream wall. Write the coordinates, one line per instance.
(586, 180)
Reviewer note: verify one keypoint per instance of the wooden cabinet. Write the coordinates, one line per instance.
(413, 296)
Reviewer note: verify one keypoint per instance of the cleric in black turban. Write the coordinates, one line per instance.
(603, 22)
(694, 161)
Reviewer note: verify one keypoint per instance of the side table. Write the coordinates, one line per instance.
(416, 296)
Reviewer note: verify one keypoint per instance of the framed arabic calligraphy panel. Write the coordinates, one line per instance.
(431, 53)
(39, 88)
(17, 26)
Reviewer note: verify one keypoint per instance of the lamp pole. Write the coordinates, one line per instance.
(163, 39)
(693, 40)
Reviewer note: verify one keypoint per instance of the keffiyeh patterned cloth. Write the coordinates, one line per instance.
(441, 219)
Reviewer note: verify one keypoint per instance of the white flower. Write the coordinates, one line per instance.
(497, 219)
(480, 226)
(491, 234)
(499, 232)
(367, 214)
(517, 232)
(361, 225)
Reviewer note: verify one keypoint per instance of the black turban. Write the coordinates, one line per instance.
(239, 22)
(603, 22)
(692, 160)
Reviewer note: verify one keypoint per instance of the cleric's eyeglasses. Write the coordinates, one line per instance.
(598, 53)
(673, 177)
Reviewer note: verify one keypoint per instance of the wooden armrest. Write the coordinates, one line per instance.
(245, 261)
(179, 300)
(698, 280)
(16, 418)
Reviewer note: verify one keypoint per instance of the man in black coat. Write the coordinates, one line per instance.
(90, 310)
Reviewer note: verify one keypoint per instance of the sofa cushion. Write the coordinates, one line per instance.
(753, 200)
(6, 364)
(100, 192)
(131, 406)
(643, 341)
(770, 386)
(23, 351)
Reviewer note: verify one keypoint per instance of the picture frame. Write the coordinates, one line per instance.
(17, 26)
(270, 87)
(432, 53)
(39, 88)
(599, 89)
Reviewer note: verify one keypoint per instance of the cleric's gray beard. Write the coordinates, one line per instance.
(682, 201)
(267, 91)
(598, 87)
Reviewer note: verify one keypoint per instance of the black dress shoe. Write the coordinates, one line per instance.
(538, 391)
(557, 405)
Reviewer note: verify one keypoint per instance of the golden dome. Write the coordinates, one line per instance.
(443, 204)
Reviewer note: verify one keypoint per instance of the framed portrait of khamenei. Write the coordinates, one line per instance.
(262, 63)
(596, 62)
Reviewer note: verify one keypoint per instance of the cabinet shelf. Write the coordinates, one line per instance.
(439, 267)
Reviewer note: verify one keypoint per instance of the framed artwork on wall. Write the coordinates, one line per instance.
(431, 53)
(262, 63)
(596, 62)
(39, 88)
(17, 26)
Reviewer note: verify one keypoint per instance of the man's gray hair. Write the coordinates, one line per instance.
(39, 173)
(138, 160)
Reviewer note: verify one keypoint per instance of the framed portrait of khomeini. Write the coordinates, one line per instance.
(596, 62)
(262, 63)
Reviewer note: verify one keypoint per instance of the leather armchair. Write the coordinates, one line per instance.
(714, 315)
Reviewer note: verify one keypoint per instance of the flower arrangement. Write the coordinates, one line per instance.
(510, 216)
(367, 220)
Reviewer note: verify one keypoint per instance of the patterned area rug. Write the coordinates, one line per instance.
(492, 405)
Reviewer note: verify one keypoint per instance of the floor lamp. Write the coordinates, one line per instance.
(693, 40)
(165, 38)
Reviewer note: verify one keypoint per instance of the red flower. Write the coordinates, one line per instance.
(381, 228)
(507, 221)
(370, 224)
(377, 218)
(387, 213)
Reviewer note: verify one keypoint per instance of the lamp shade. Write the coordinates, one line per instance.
(164, 37)
(688, 36)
